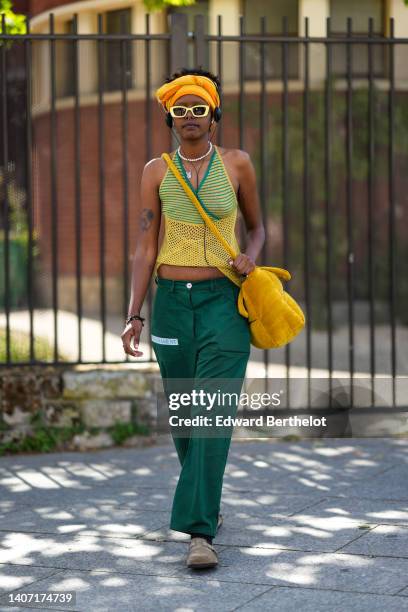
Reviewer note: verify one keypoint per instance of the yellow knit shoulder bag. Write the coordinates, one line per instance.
(274, 317)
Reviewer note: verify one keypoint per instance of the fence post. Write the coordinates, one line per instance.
(178, 51)
(178, 41)
(200, 48)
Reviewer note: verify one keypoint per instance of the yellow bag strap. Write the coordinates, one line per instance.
(197, 204)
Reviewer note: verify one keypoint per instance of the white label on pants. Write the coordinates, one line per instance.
(159, 340)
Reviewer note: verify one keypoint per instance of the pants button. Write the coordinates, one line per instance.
(189, 285)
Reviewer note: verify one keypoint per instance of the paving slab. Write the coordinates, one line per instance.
(404, 592)
(364, 510)
(268, 503)
(389, 485)
(355, 464)
(62, 496)
(291, 485)
(84, 519)
(80, 474)
(17, 576)
(103, 590)
(321, 600)
(383, 540)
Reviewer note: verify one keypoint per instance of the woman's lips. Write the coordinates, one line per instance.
(190, 126)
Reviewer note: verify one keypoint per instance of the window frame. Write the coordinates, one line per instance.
(292, 48)
(380, 73)
(109, 75)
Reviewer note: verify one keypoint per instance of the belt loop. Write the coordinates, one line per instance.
(173, 283)
(213, 288)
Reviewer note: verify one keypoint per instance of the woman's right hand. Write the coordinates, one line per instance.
(132, 330)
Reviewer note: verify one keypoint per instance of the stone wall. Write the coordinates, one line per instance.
(45, 408)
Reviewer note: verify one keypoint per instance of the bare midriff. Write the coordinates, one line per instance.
(188, 272)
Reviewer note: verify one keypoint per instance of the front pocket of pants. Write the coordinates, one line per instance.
(233, 332)
(160, 306)
(171, 322)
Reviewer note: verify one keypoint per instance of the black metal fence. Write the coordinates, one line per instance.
(329, 149)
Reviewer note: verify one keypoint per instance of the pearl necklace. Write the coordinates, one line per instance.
(193, 159)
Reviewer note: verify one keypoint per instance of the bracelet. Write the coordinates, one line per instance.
(133, 317)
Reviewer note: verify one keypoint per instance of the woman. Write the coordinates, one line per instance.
(196, 330)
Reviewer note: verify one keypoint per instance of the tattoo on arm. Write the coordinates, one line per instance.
(145, 220)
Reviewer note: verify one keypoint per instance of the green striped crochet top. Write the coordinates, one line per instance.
(215, 192)
(187, 239)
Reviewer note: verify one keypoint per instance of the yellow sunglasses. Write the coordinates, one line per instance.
(199, 110)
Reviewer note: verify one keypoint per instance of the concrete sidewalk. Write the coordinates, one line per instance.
(312, 525)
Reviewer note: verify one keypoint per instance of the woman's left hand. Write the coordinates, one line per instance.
(244, 264)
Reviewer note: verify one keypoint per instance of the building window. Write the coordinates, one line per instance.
(274, 12)
(117, 22)
(359, 12)
(64, 52)
(201, 7)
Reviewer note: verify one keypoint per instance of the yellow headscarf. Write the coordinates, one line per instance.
(196, 84)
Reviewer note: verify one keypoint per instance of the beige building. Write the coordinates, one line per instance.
(133, 16)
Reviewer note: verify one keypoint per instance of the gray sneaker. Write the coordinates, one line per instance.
(201, 554)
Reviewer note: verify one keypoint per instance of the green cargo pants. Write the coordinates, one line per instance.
(197, 333)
